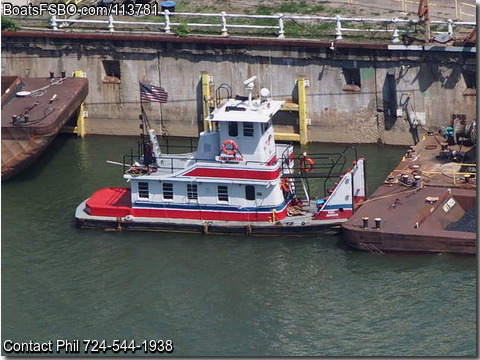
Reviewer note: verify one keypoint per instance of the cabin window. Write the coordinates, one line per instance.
(222, 193)
(352, 79)
(265, 127)
(192, 193)
(248, 129)
(250, 192)
(143, 192)
(233, 128)
(167, 191)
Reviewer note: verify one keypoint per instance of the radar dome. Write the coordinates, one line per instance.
(264, 93)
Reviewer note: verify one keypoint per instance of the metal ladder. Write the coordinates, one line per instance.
(303, 193)
(156, 147)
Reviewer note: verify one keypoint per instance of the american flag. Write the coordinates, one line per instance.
(153, 93)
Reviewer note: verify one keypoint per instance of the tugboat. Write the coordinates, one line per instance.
(238, 181)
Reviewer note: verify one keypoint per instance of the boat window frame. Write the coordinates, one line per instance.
(250, 130)
(222, 194)
(233, 128)
(164, 191)
(143, 190)
(266, 126)
(249, 193)
(192, 192)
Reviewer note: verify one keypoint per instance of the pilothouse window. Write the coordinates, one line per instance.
(233, 129)
(265, 127)
(247, 129)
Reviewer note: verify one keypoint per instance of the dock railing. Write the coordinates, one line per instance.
(337, 26)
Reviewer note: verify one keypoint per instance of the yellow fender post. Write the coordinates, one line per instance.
(80, 128)
(206, 95)
(302, 110)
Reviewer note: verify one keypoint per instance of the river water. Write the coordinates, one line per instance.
(215, 295)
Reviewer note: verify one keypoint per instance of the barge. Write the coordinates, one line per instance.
(33, 112)
(238, 181)
(427, 203)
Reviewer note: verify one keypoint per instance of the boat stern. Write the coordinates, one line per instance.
(105, 203)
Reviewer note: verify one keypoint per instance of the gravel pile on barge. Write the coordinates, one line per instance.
(467, 223)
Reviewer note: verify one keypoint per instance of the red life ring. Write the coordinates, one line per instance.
(229, 147)
(303, 164)
(285, 185)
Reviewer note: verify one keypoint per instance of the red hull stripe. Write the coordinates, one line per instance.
(333, 215)
(234, 173)
(208, 215)
(115, 202)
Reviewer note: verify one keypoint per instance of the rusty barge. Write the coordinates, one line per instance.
(33, 112)
(426, 204)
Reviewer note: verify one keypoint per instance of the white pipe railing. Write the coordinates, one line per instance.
(223, 24)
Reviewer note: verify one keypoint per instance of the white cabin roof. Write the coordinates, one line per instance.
(259, 111)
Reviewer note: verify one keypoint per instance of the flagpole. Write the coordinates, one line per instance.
(141, 107)
(162, 127)
(145, 122)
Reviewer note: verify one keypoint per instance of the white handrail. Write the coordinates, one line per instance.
(338, 20)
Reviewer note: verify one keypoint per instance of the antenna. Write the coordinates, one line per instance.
(249, 86)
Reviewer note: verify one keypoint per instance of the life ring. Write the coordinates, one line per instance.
(306, 164)
(285, 185)
(229, 147)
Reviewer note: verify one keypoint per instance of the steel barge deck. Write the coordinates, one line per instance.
(419, 200)
(33, 112)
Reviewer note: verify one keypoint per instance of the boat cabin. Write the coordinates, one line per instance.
(235, 174)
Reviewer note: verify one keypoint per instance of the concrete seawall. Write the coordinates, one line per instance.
(433, 83)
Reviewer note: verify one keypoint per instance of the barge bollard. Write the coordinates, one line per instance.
(417, 181)
(377, 223)
(365, 222)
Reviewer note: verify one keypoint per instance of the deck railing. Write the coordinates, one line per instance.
(337, 26)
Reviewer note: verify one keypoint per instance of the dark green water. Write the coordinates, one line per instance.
(213, 295)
